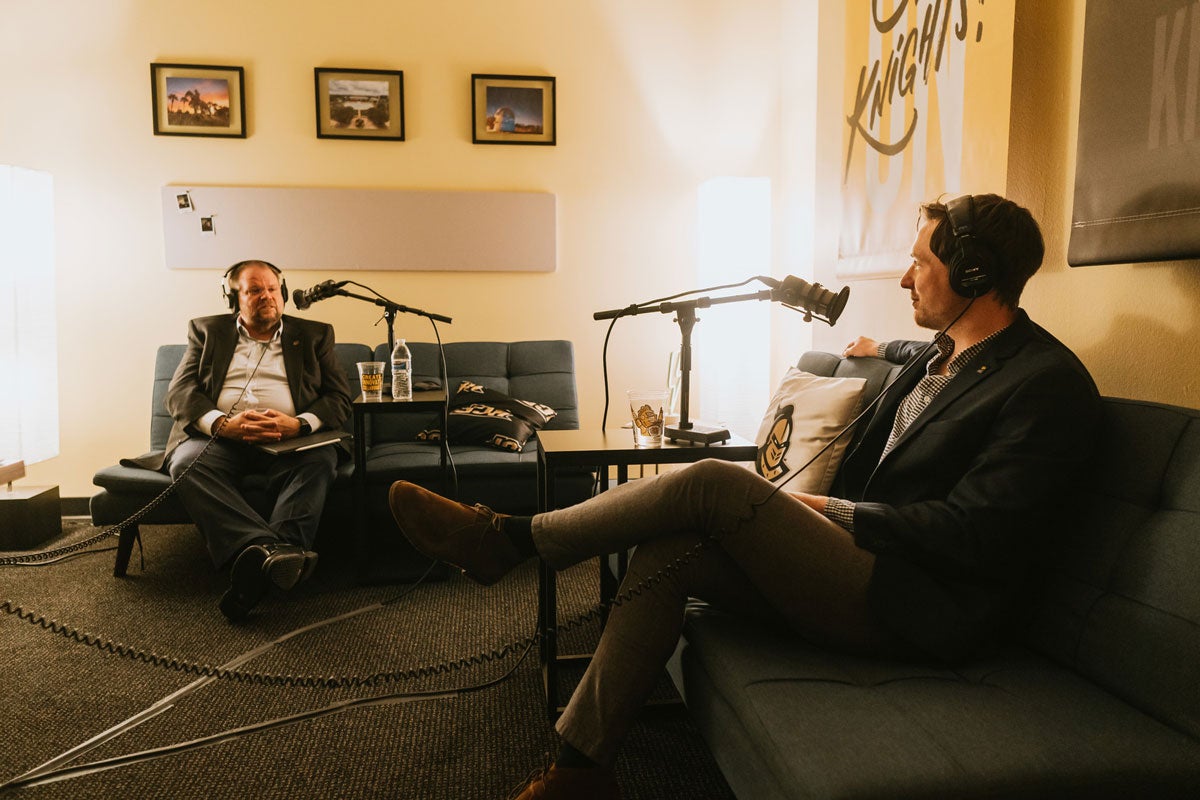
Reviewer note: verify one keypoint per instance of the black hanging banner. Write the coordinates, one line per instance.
(1137, 179)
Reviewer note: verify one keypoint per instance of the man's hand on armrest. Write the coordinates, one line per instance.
(862, 347)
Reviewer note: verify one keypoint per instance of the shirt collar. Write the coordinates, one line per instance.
(945, 346)
(276, 336)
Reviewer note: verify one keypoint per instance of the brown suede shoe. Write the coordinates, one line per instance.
(553, 782)
(467, 537)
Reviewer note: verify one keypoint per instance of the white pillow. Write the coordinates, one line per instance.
(806, 412)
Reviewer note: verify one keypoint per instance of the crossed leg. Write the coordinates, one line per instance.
(772, 557)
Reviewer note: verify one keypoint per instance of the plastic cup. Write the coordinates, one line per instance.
(370, 377)
(646, 408)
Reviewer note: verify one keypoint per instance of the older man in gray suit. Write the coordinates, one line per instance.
(252, 377)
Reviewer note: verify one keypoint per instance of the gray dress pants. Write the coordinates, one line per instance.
(297, 483)
(774, 559)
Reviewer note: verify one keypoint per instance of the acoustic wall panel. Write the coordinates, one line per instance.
(211, 227)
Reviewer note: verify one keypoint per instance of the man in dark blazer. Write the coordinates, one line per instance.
(250, 378)
(923, 548)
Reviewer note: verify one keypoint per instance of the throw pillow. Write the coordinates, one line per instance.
(479, 415)
(806, 412)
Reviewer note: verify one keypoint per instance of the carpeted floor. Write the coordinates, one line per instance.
(59, 694)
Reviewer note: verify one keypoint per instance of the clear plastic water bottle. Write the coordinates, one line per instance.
(401, 372)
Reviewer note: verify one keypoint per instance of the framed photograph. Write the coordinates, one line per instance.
(198, 100)
(512, 109)
(360, 104)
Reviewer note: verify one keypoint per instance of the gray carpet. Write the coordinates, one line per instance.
(59, 694)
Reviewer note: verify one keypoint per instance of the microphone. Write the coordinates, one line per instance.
(812, 298)
(303, 298)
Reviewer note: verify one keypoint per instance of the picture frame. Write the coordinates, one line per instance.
(513, 109)
(359, 104)
(198, 100)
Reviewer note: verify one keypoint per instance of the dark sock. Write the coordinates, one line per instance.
(519, 531)
(569, 757)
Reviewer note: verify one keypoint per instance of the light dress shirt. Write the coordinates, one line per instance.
(257, 379)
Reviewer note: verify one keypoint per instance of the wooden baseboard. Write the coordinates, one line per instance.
(76, 506)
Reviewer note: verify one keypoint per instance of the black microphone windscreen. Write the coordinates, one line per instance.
(837, 305)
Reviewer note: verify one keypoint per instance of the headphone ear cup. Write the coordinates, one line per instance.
(972, 271)
(283, 288)
(972, 267)
(229, 294)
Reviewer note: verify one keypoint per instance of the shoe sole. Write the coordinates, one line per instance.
(286, 570)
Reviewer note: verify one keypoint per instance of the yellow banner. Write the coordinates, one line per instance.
(926, 108)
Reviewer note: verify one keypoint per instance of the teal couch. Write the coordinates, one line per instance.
(1100, 698)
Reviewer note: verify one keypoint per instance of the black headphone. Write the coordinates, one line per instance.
(972, 265)
(231, 294)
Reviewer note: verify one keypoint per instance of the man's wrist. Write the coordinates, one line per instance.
(840, 511)
(305, 428)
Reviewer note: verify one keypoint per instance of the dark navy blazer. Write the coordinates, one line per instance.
(966, 499)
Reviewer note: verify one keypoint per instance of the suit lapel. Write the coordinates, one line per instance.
(293, 358)
(963, 382)
(987, 363)
(224, 339)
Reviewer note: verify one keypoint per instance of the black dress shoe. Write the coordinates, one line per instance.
(288, 564)
(248, 583)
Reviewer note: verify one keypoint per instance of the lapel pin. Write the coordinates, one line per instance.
(295, 342)
(981, 370)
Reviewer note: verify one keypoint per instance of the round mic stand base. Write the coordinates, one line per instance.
(702, 434)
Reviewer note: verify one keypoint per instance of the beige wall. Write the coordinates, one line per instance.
(653, 99)
(1134, 325)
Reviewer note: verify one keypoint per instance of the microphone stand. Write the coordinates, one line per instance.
(390, 310)
(685, 315)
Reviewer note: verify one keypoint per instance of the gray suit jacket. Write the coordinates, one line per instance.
(968, 498)
(315, 379)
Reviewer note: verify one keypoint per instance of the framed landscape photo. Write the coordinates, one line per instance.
(198, 100)
(360, 104)
(512, 109)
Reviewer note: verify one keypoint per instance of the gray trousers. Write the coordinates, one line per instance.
(779, 561)
(296, 483)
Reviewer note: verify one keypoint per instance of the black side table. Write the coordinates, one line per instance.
(563, 449)
(426, 401)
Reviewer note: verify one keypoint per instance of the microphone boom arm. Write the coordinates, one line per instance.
(390, 310)
(388, 305)
(685, 316)
(792, 293)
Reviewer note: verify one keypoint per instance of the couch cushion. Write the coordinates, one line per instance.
(877, 372)
(827, 725)
(1122, 599)
(797, 432)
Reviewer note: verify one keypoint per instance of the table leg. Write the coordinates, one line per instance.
(547, 599)
(360, 491)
